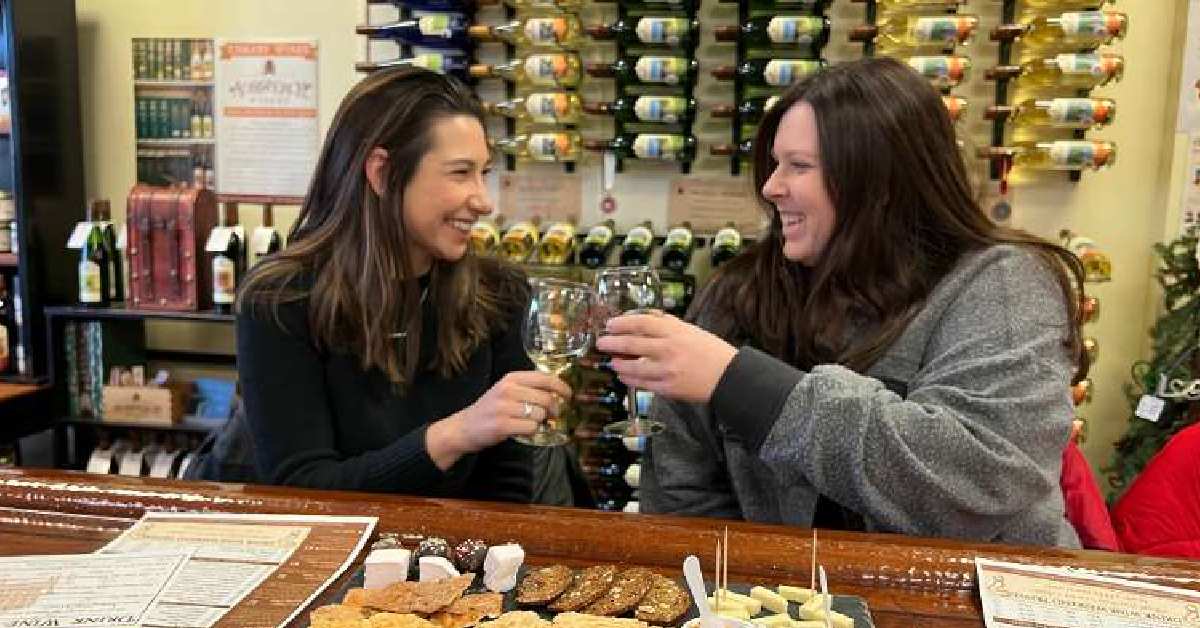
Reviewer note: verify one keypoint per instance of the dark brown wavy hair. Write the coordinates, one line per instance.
(346, 253)
(906, 215)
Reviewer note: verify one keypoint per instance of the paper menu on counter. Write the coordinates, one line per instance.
(246, 570)
(103, 591)
(1020, 596)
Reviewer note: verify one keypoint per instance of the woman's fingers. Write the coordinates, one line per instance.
(630, 345)
(642, 370)
(542, 382)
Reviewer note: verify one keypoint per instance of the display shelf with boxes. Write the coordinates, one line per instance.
(173, 111)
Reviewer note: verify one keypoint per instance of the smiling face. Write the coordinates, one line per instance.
(447, 193)
(797, 187)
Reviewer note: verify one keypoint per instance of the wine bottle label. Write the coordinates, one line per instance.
(599, 235)
(1073, 153)
(1080, 63)
(669, 109)
(484, 235)
(549, 69)
(939, 29)
(770, 102)
(1072, 111)
(679, 236)
(673, 294)
(224, 280)
(801, 30)
(546, 30)
(662, 30)
(940, 68)
(434, 62)
(669, 70)
(657, 146)
(89, 282)
(435, 25)
(1090, 24)
(727, 238)
(549, 146)
(547, 107)
(639, 236)
(561, 233)
(784, 72)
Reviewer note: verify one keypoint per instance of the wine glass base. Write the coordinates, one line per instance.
(544, 439)
(630, 429)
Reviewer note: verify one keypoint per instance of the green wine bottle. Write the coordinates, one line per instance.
(648, 70)
(802, 32)
(646, 108)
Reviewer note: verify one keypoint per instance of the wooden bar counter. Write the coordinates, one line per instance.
(906, 581)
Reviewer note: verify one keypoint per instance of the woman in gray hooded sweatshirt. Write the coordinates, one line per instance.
(885, 358)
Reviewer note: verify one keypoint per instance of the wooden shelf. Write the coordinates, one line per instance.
(9, 392)
(114, 313)
(176, 141)
(9, 260)
(157, 83)
(189, 424)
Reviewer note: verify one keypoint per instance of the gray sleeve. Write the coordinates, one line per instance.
(683, 469)
(979, 437)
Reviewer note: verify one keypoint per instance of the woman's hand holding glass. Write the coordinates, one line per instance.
(666, 356)
(556, 332)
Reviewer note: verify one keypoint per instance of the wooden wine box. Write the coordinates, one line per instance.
(145, 405)
(167, 228)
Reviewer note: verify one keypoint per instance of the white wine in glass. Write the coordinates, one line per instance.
(557, 330)
(629, 290)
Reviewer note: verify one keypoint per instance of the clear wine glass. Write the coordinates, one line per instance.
(557, 330)
(629, 290)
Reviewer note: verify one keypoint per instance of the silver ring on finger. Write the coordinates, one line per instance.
(526, 410)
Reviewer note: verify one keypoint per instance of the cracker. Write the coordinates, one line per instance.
(626, 592)
(665, 604)
(418, 597)
(589, 585)
(540, 586)
(397, 620)
(517, 619)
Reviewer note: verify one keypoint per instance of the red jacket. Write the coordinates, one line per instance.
(1159, 514)
(1086, 509)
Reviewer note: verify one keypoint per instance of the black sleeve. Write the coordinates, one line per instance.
(505, 471)
(289, 416)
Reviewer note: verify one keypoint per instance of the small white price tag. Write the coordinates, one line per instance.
(122, 237)
(131, 463)
(100, 461)
(1150, 408)
(163, 464)
(218, 239)
(79, 235)
(183, 466)
(260, 240)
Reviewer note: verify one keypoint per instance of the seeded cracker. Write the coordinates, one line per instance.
(665, 604)
(626, 592)
(589, 585)
(543, 585)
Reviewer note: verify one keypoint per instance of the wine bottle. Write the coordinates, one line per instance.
(646, 108)
(1071, 31)
(751, 109)
(770, 72)
(275, 242)
(649, 30)
(1041, 6)
(554, 146)
(556, 31)
(955, 106)
(453, 63)
(597, 245)
(226, 266)
(1091, 348)
(727, 244)
(811, 7)
(541, 107)
(557, 245)
(102, 212)
(1077, 70)
(93, 264)
(1081, 392)
(638, 246)
(944, 72)
(435, 30)
(1057, 154)
(678, 247)
(1089, 309)
(912, 33)
(651, 146)
(571, 6)
(536, 70)
(742, 150)
(1064, 113)
(655, 5)
(485, 236)
(648, 70)
(8, 331)
(519, 241)
(677, 293)
(803, 32)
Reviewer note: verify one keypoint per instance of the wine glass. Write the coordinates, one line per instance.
(629, 290)
(557, 330)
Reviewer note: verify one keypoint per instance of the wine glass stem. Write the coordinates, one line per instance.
(635, 421)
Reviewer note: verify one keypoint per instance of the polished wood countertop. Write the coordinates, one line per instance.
(907, 581)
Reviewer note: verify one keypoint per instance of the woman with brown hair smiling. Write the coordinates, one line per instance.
(885, 358)
(375, 352)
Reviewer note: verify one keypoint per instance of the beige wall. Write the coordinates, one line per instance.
(1125, 209)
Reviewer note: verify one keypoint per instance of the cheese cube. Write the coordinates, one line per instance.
(773, 621)
(436, 569)
(814, 606)
(771, 600)
(836, 619)
(728, 602)
(385, 566)
(795, 594)
(734, 612)
(751, 604)
(500, 567)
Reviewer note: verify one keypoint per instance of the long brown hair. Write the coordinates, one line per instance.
(906, 215)
(346, 251)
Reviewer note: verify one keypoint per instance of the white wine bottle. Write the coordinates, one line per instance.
(955, 106)
(559, 69)
(519, 241)
(558, 244)
(562, 32)
(540, 107)
(485, 236)
(1063, 113)
(1077, 70)
(1057, 154)
(944, 72)
(554, 146)
(916, 33)
(1067, 32)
